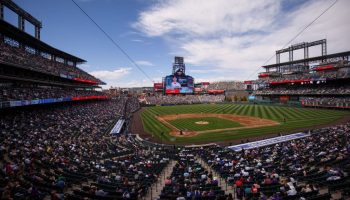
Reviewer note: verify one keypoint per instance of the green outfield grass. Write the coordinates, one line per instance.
(213, 123)
(295, 118)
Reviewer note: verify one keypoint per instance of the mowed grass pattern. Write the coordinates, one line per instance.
(213, 123)
(295, 118)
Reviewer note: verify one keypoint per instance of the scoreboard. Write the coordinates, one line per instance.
(178, 84)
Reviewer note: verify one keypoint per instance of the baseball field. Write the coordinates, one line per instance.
(188, 124)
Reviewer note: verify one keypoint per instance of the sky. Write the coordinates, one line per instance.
(219, 39)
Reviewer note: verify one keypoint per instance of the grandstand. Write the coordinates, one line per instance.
(62, 137)
(321, 81)
(226, 85)
(33, 72)
(180, 100)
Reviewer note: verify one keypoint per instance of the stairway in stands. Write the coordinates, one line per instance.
(155, 190)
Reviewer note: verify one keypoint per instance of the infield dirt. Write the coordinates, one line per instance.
(245, 121)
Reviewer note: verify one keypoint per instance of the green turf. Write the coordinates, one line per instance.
(213, 123)
(296, 118)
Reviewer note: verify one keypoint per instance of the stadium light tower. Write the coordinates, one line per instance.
(303, 45)
(23, 16)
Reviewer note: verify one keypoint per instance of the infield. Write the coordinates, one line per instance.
(216, 123)
(202, 123)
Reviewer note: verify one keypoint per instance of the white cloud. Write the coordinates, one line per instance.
(214, 79)
(200, 17)
(112, 77)
(239, 36)
(144, 63)
(122, 77)
(136, 83)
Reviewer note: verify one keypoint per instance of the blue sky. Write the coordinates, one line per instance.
(220, 40)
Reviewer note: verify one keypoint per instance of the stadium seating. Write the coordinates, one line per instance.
(31, 93)
(305, 90)
(289, 170)
(21, 57)
(190, 180)
(47, 151)
(330, 102)
(56, 147)
(226, 85)
(188, 99)
(340, 71)
(325, 86)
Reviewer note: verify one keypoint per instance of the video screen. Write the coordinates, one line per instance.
(178, 84)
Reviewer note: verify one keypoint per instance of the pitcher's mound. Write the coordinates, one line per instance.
(202, 122)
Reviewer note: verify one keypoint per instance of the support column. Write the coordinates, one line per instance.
(324, 49)
(21, 22)
(291, 55)
(1, 11)
(37, 32)
(2, 37)
(306, 54)
(278, 58)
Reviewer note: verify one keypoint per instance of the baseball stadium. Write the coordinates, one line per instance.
(183, 120)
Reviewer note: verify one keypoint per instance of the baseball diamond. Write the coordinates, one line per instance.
(253, 121)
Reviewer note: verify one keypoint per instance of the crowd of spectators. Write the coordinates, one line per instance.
(43, 151)
(32, 93)
(132, 105)
(186, 99)
(338, 73)
(227, 85)
(20, 56)
(190, 180)
(290, 170)
(299, 76)
(332, 102)
(312, 90)
(296, 169)
(305, 90)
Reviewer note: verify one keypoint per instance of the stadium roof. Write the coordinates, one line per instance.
(14, 7)
(25, 38)
(302, 61)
